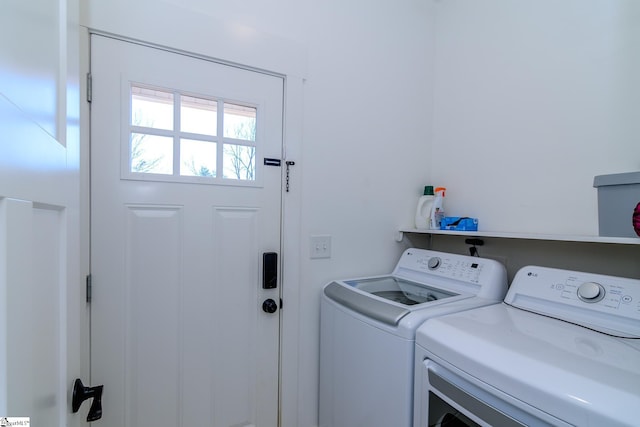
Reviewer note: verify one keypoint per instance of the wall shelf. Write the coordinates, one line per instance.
(524, 236)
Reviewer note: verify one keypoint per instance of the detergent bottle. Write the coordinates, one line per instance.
(437, 212)
(423, 210)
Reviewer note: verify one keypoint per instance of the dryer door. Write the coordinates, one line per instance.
(448, 399)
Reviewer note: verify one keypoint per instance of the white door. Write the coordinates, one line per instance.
(41, 293)
(183, 209)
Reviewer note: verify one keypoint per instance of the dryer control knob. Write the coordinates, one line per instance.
(434, 263)
(591, 292)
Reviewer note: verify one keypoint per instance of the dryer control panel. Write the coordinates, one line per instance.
(608, 304)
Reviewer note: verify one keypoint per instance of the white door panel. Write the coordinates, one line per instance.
(41, 289)
(35, 313)
(179, 336)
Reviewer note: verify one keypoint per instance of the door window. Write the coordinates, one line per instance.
(175, 136)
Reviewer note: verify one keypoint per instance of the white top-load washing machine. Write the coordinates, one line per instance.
(368, 332)
(563, 349)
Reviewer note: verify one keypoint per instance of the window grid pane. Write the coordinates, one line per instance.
(151, 108)
(239, 162)
(198, 115)
(239, 122)
(197, 158)
(151, 154)
(190, 147)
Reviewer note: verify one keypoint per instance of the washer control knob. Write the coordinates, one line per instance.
(434, 263)
(591, 292)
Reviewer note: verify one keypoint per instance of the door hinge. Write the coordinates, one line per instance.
(89, 87)
(88, 288)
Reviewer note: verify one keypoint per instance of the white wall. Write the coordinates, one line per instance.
(367, 128)
(533, 99)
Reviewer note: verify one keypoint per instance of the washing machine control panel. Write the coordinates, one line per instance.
(450, 266)
(606, 303)
(483, 277)
(461, 269)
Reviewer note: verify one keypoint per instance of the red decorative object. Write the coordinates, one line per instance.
(636, 219)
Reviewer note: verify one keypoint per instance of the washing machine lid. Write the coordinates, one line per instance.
(387, 299)
(400, 290)
(576, 374)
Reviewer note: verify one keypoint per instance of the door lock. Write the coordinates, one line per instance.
(269, 270)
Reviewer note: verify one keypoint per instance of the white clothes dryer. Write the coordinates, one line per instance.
(562, 350)
(368, 332)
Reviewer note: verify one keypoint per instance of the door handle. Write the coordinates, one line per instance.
(269, 306)
(82, 393)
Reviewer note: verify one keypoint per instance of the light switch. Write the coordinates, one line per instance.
(320, 247)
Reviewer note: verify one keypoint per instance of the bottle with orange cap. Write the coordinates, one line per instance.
(437, 211)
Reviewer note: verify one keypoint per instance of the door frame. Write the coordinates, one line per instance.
(290, 216)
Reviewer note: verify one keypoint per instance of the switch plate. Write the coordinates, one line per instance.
(320, 247)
